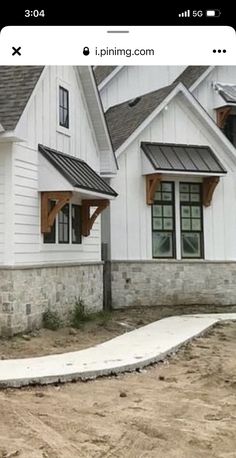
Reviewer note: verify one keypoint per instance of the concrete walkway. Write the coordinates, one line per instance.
(127, 352)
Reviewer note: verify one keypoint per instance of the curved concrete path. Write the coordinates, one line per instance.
(127, 352)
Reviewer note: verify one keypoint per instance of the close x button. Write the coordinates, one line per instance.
(16, 51)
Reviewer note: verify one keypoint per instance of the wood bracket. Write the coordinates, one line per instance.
(222, 115)
(48, 216)
(88, 219)
(152, 181)
(209, 185)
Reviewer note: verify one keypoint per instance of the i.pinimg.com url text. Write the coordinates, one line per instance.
(128, 52)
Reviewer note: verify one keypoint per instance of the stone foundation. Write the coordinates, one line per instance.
(173, 283)
(25, 293)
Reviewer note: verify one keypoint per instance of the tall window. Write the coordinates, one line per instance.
(76, 223)
(230, 128)
(63, 107)
(50, 237)
(64, 224)
(191, 220)
(163, 222)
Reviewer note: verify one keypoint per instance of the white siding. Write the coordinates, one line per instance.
(133, 81)
(39, 124)
(132, 216)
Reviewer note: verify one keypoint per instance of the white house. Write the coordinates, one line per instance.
(173, 224)
(56, 161)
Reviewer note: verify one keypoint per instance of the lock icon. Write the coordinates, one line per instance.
(86, 51)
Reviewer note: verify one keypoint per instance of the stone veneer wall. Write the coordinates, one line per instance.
(25, 293)
(173, 283)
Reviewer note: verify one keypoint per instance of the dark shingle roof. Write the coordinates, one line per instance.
(182, 158)
(125, 118)
(77, 172)
(102, 72)
(16, 86)
(190, 75)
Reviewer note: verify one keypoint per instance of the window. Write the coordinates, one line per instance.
(191, 220)
(63, 107)
(50, 237)
(163, 222)
(76, 223)
(230, 128)
(64, 224)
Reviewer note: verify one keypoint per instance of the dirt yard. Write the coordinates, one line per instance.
(184, 407)
(101, 328)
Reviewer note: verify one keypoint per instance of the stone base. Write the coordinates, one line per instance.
(26, 293)
(156, 282)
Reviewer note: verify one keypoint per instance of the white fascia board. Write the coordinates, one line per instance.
(10, 136)
(201, 78)
(110, 77)
(205, 117)
(87, 194)
(209, 122)
(87, 72)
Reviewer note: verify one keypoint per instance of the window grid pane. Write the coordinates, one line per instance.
(63, 224)
(63, 107)
(76, 224)
(163, 222)
(191, 220)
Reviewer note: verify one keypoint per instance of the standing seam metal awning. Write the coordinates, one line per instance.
(166, 157)
(78, 173)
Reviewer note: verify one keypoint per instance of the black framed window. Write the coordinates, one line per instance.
(50, 237)
(76, 224)
(230, 128)
(64, 224)
(163, 221)
(63, 107)
(191, 217)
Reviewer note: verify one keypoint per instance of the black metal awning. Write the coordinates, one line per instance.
(171, 157)
(78, 173)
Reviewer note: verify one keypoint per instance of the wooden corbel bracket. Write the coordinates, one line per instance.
(209, 185)
(222, 115)
(48, 216)
(152, 181)
(88, 219)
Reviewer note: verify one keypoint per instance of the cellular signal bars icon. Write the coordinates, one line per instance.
(185, 14)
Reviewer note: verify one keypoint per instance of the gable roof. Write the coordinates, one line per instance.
(102, 72)
(125, 118)
(16, 86)
(77, 172)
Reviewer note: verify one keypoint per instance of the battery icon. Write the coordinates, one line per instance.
(213, 13)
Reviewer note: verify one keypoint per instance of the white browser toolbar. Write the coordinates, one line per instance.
(103, 45)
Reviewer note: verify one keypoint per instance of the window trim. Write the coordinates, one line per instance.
(173, 231)
(80, 223)
(201, 232)
(67, 109)
(63, 224)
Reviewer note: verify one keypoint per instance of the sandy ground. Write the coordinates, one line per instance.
(184, 407)
(99, 329)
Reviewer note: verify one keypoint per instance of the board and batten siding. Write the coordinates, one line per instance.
(133, 81)
(132, 215)
(40, 124)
